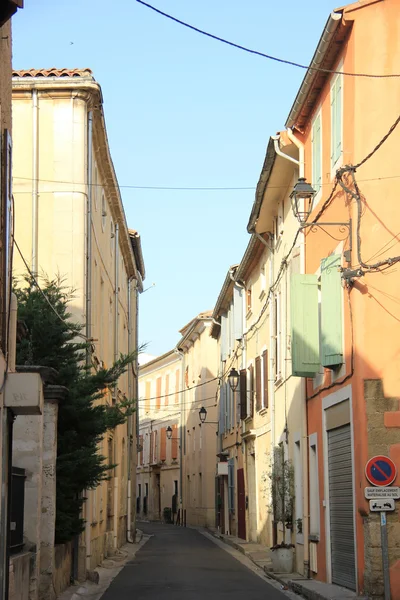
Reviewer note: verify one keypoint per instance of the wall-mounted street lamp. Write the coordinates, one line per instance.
(302, 198)
(203, 416)
(233, 379)
(169, 432)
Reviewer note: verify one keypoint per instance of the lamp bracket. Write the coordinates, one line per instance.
(344, 228)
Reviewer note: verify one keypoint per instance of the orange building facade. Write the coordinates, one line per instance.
(345, 339)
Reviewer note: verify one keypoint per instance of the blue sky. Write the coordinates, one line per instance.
(182, 110)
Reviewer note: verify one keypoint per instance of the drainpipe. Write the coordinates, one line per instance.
(35, 177)
(89, 178)
(116, 323)
(306, 521)
(116, 341)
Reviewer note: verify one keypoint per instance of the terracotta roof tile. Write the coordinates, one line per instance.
(53, 72)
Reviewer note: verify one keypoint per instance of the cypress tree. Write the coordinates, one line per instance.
(49, 339)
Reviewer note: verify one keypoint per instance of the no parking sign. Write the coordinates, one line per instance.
(380, 471)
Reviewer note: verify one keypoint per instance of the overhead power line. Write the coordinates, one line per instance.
(262, 54)
(177, 188)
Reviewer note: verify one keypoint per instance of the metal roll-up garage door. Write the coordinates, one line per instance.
(341, 507)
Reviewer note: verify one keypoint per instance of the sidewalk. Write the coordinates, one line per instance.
(308, 588)
(103, 575)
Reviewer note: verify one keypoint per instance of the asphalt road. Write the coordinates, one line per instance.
(182, 564)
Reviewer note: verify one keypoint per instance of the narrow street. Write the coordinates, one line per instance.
(182, 564)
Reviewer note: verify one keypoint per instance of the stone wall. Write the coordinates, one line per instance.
(62, 567)
(383, 419)
(20, 572)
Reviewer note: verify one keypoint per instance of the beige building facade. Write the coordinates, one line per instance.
(199, 387)
(158, 474)
(70, 222)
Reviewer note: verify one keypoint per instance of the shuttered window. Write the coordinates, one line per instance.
(158, 393)
(163, 444)
(265, 378)
(316, 154)
(224, 337)
(243, 394)
(336, 119)
(304, 321)
(231, 484)
(238, 312)
(222, 410)
(166, 398)
(148, 396)
(177, 373)
(258, 384)
(250, 392)
(174, 440)
(331, 312)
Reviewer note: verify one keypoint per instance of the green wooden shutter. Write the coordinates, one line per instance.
(305, 331)
(258, 383)
(316, 154)
(338, 119)
(331, 312)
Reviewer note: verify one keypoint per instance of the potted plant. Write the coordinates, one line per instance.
(283, 496)
(282, 558)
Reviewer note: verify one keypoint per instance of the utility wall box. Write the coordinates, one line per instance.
(222, 468)
(23, 393)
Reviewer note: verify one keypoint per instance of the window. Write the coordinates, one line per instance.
(314, 490)
(146, 489)
(277, 337)
(248, 300)
(194, 439)
(112, 236)
(316, 149)
(336, 119)
(258, 383)
(200, 437)
(231, 484)
(166, 393)
(317, 333)
(243, 394)
(140, 490)
(263, 281)
(95, 186)
(265, 379)
(158, 393)
(298, 486)
(148, 396)
(250, 391)
(103, 211)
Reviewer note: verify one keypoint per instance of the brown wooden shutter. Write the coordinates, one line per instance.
(265, 373)
(243, 394)
(177, 378)
(158, 393)
(258, 384)
(166, 399)
(163, 444)
(251, 390)
(148, 396)
(151, 447)
(174, 448)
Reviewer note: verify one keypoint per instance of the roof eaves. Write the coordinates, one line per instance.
(252, 249)
(262, 184)
(137, 251)
(317, 61)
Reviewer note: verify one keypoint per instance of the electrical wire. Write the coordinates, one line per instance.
(177, 188)
(262, 54)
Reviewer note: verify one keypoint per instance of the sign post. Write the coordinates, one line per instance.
(385, 556)
(381, 472)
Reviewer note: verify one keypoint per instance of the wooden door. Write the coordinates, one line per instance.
(241, 504)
